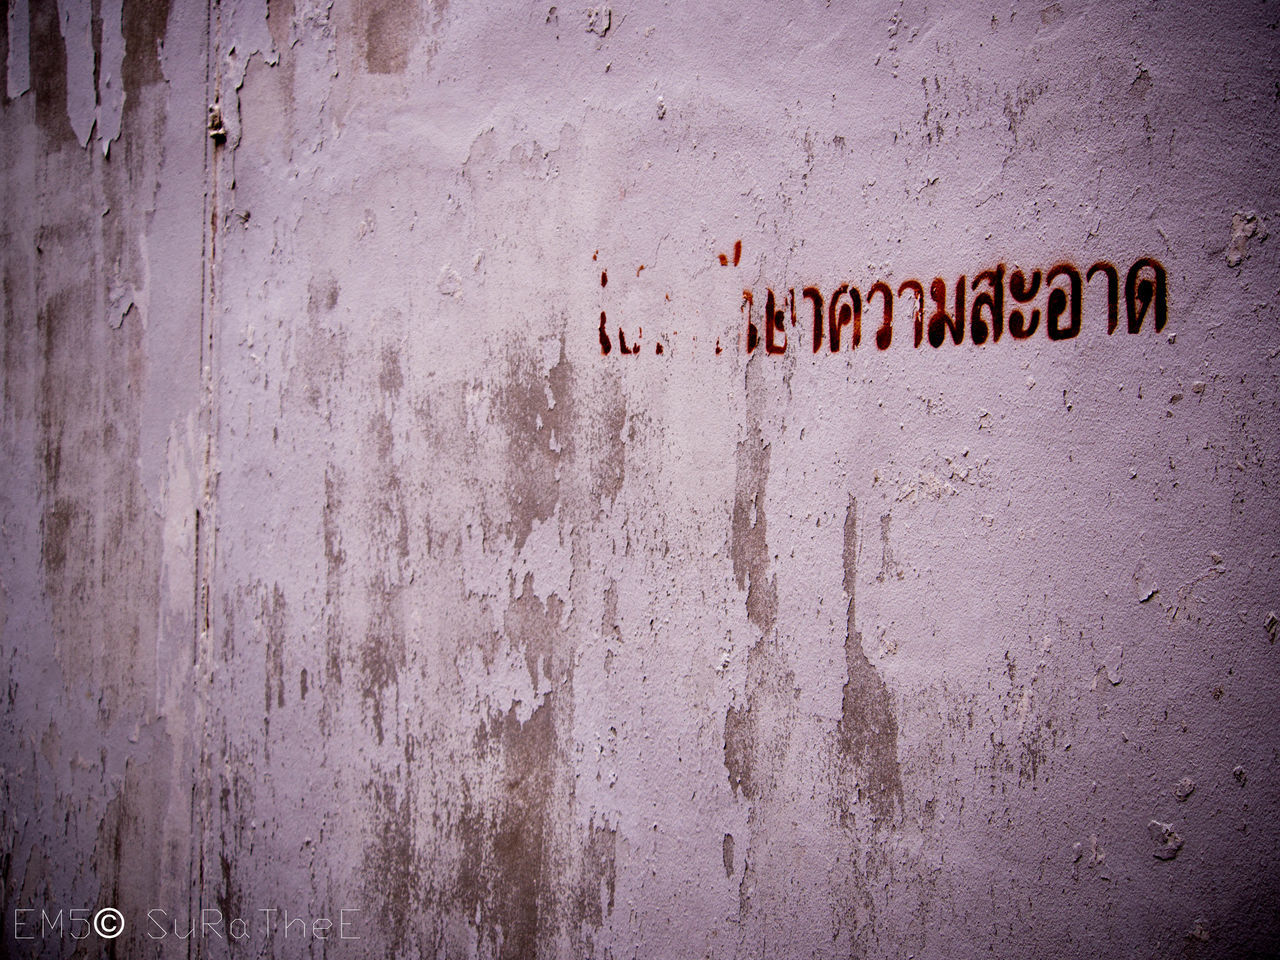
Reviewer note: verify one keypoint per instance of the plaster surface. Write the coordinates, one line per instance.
(411, 526)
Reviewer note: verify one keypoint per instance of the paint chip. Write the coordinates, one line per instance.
(599, 20)
(1244, 226)
(1167, 840)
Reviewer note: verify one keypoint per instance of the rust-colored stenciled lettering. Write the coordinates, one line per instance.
(979, 305)
(1146, 287)
(1022, 293)
(884, 334)
(845, 309)
(753, 333)
(992, 300)
(775, 322)
(1060, 301)
(941, 322)
(918, 289)
(814, 296)
(1113, 291)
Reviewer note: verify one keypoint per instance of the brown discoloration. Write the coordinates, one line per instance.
(739, 750)
(49, 74)
(124, 856)
(235, 803)
(609, 625)
(382, 651)
(390, 379)
(726, 854)
(65, 523)
(749, 546)
(279, 21)
(322, 295)
(388, 29)
(599, 869)
(391, 869)
(390, 522)
(758, 728)
(888, 566)
(144, 24)
(608, 445)
(536, 625)
(506, 875)
(867, 734)
(334, 558)
(537, 416)
(757, 732)
(321, 367)
(530, 876)
(273, 617)
(4, 50)
(99, 536)
(745, 743)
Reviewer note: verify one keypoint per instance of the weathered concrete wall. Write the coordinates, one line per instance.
(414, 521)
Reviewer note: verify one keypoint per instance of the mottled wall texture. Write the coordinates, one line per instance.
(738, 480)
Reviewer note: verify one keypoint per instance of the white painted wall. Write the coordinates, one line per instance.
(344, 575)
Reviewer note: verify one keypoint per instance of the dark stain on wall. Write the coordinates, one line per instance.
(125, 854)
(867, 734)
(144, 24)
(4, 52)
(388, 29)
(739, 750)
(49, 74)
(506, 875)
(390, 377)
(99, 536)
(382, 651)
(609, 450)
(748, 545)
(749, 737)
(390, 867)
(273, 616)
(535, 627)
(235, 833)
(596, 885)
(389, 523)
(279, 16)
(759, 726)
(334, 558)
(322, 295)
(537, 415)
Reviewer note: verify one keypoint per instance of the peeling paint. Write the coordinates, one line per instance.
(347, 568)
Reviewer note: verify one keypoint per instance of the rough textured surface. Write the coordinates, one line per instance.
(416, 541)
